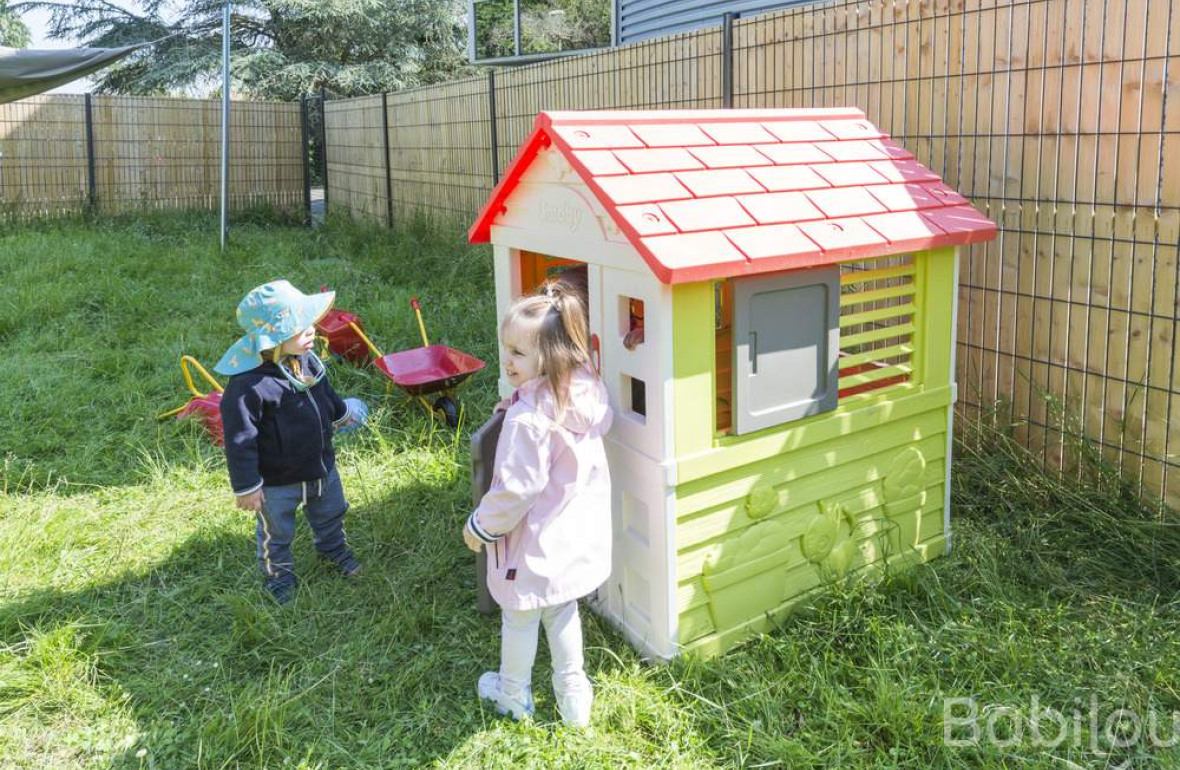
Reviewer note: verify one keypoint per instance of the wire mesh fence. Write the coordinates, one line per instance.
(1052, 116)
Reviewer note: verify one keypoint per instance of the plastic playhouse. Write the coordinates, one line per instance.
(787, 415)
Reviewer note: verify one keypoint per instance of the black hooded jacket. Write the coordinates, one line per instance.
(276, 434)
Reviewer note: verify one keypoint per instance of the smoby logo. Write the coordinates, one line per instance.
(561, 214)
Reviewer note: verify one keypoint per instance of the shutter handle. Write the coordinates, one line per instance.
(753, 352)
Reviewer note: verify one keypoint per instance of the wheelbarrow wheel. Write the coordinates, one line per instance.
(449, 409)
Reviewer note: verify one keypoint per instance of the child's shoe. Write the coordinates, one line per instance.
(350, 567)
(574, 708)
(282, 591)
(490, 689)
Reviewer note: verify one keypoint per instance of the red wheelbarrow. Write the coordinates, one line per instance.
(345, 337)
(206, 407)
(428, 374)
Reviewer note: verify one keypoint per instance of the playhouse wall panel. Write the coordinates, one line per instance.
(895, 535)
(759, 480)
(646, 363)
(638, 596)
(854, 414)
(753, 538)
(906, 530)
(806, 489)
(794, 522)
(798, 583)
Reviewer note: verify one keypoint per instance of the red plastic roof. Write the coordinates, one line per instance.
(706, 194)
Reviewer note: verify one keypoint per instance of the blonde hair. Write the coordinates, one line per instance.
(562, 334)
(276, 356)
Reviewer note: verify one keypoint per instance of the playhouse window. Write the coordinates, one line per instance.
(631, 322)
(877, 321)
(536, 268)
(635, 397)
(786, 326)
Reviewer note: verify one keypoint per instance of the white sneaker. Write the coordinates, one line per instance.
(490, 689)
(574, 707)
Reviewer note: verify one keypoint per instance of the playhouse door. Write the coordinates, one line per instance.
(786, 342)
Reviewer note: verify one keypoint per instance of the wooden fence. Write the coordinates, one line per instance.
(61, 153)
(1060, 119)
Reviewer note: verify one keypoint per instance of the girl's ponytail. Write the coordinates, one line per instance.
(563, 339)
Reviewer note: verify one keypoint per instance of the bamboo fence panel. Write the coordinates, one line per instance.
(1059, 119)
(356, 163)
(439, 146)
(42, 157)
(149, 153)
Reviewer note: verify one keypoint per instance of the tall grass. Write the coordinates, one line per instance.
(133, 632)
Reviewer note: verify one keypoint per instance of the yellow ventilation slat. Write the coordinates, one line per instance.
(876, 335)
(855, 319)
(879, 354)
(851, 277)
(883, 373)
(876, 295)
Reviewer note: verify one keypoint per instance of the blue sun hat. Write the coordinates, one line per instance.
(270, 315)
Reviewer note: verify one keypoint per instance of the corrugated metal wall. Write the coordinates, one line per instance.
(642, 19)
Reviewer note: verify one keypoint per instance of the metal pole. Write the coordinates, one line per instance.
(516, 27)
(91, 182)
(727, 60)
(324, 142)
(303, 139)
(493, 138)
(225, 126)
(388, 168)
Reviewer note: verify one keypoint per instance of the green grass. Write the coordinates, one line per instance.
(133, 632)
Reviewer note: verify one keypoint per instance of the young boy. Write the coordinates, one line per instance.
(279, 413)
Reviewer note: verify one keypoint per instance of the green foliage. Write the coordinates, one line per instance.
(546, 26)
(134, 634)
(13, 32)
(281, 48)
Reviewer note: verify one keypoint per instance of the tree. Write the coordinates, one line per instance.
(546, 26)
(282, 48)
(13, 32)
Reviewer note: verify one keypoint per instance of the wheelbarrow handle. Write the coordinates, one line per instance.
(365, 339)
(185, 363)
(421, 326)
(171, 412)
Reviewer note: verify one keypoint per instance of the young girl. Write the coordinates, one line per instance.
(546, 518)
(279, 413)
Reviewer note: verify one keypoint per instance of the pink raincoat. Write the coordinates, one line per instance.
(546, 519)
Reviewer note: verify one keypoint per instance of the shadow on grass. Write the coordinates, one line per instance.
(377, 672)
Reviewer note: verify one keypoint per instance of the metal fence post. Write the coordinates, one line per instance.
(324, 142)
(727, 60)
(91, 180)
(492, 127)
(303, 140)
(388, 169)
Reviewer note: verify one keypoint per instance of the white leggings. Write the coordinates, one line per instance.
(518, 649)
